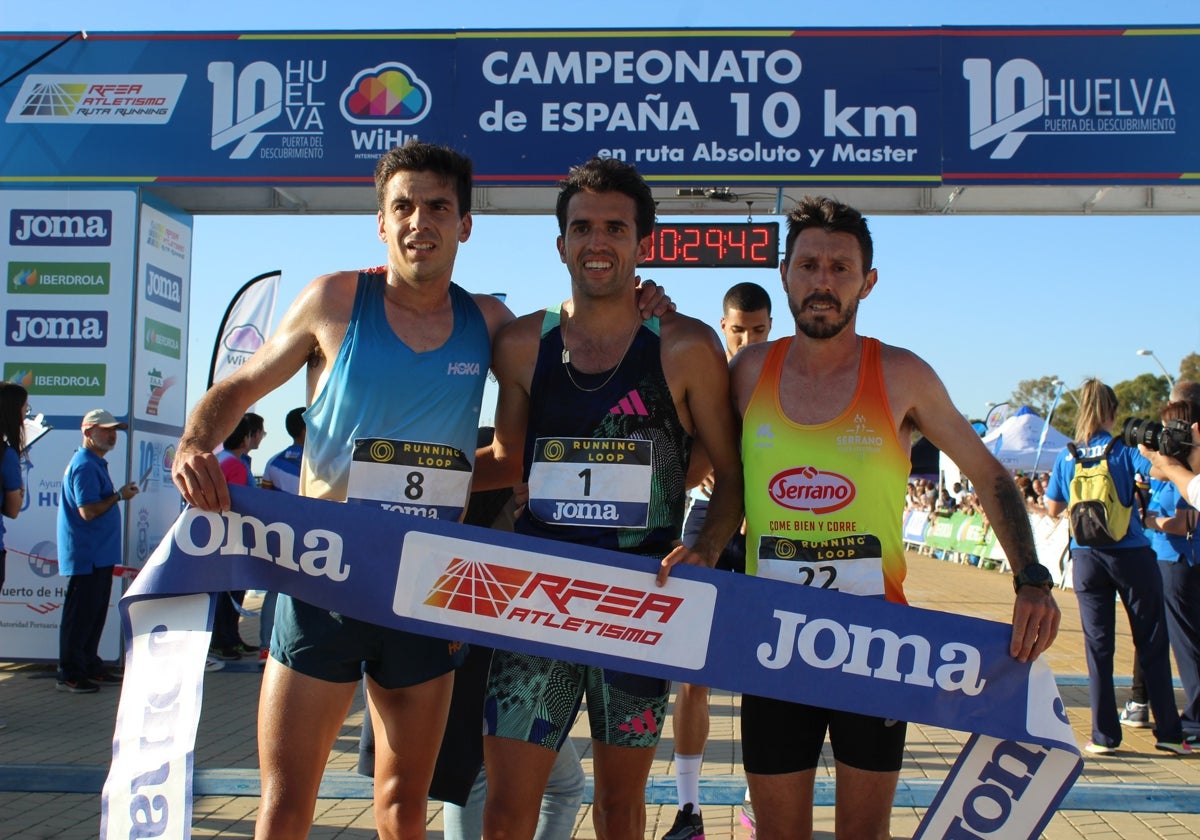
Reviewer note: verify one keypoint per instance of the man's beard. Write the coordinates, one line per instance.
(823, 328)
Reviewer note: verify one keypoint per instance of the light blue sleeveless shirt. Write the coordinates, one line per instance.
(412, 418)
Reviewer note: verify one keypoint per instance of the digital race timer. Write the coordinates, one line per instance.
(714, 245)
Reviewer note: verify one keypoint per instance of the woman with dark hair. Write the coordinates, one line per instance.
(14, 401)
(1127, 568)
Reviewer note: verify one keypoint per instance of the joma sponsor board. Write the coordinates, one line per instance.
(56, 328)
(164, 288)
(60, 228)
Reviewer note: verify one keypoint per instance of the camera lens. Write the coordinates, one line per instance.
(1146, 432)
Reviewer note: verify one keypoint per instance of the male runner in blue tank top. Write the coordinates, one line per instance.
(594, 376)
(352, 330)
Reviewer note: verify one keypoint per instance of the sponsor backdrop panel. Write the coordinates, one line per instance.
(151, 512)
(67, 297)
(159, 387)
(32, 598)
(1109, 105)
(267, 106)
(68, 300)
(160, 350)
(736, 106)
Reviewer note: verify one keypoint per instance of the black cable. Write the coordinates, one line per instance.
(46, 54)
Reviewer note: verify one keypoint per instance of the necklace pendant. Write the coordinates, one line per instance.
(566, 356)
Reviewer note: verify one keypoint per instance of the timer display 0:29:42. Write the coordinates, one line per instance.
(714, 245)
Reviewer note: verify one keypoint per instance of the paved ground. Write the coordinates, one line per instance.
(56, 742)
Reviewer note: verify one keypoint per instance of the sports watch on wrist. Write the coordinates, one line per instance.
(1033, 574)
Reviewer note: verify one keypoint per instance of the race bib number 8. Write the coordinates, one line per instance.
(421, 479)
(601, 482)
(850, 564)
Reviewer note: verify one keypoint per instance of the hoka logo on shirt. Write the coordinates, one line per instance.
(764, 437)
(631, 403)
(462, 369)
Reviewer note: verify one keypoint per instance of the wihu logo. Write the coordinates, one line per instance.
(1019, 95)
(60, 227)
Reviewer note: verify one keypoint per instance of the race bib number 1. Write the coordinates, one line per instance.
(422, 479)
(849, 564)
(601, 482)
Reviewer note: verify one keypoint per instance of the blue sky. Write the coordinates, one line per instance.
(988, 301)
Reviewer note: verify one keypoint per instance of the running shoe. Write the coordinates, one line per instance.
(76, 686)
(263, 656)
(107, 678)
(228, 654)
(211, 663)
(1177, 747)
(688, 825)
(246, 650)
(748, 814)
(1135, 715)
(1099, 749)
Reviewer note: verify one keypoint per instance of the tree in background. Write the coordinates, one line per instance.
(1189, 368)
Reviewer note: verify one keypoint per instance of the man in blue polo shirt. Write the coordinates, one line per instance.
(89, 545)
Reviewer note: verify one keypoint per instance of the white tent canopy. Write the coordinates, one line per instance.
(1015, 442)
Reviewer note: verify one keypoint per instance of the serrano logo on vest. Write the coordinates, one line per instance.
(558, 602)
(807, 488)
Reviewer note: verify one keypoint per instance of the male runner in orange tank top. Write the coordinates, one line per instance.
(831, 403)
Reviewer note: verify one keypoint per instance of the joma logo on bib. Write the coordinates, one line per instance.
(586, 510)
(807, 488)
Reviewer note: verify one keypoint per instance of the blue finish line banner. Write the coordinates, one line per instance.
(586, 605)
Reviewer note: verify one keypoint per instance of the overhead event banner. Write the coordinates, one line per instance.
(690, 107)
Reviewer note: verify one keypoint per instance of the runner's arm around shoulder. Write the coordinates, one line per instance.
(195, 470)
(697, 355)
(1035, 614)
(514, 354)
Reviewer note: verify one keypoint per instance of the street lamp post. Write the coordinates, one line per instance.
(1150, 353)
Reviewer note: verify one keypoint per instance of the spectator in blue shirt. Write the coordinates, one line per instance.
(89, 545)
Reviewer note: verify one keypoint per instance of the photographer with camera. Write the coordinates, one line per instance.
(1180, 467)
(1170, 523)
(1117, 561)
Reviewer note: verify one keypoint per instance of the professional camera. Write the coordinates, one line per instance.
(1173, 439)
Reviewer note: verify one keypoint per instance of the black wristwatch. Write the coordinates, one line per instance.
(1033, 574)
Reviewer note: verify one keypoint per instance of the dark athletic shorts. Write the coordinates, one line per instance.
(782, 737)
(332, 647)
(535, 699)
